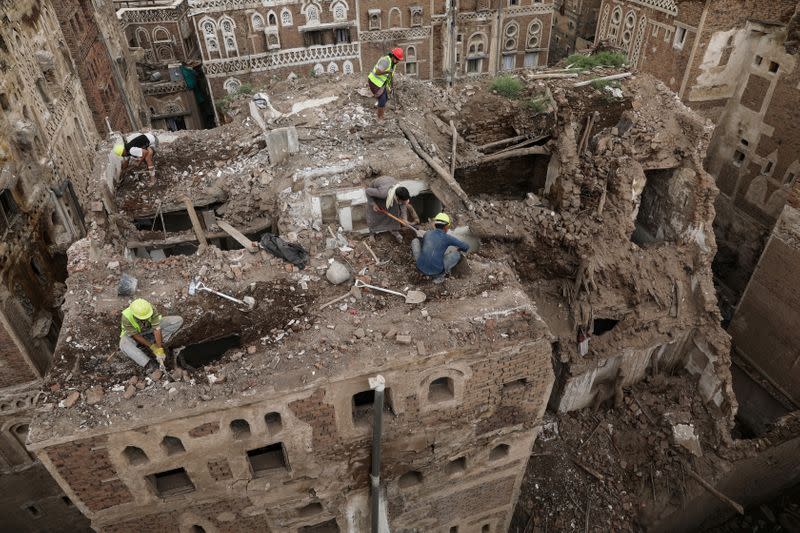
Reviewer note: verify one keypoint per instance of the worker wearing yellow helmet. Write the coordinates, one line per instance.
(434, 254)
(143, 327)
(138, 148)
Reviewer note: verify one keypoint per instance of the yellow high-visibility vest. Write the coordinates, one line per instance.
(381, 79)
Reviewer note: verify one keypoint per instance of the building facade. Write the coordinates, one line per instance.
(103, 64)
(574, 24)
(294, 455)
(47, 143)
(242, 42)
(730, 61)
(162, 38)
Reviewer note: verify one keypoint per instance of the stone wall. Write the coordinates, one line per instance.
(458, 430)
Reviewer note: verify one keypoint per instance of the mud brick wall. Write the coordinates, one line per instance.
(224, 516)
(14, 370)
(87, 469)
(220, 469)
(320, 416)
(209, 428)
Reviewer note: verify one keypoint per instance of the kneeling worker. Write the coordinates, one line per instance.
(142, 326)
(432, 254)
(137, 148)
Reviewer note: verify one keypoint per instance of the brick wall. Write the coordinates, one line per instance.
(209, 428)
(14, 370)
(93, 62)
(87, 469)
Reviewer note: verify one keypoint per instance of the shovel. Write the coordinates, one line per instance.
(401, 221)
(412, 297)
(196, 285)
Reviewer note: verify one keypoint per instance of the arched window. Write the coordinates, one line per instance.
(477, 44)
(613, 27)
(161, 35)
(209, 29)
(135, 456)
(227, 26)
(231, 85)
(510, 34)
(257, 21)
(272, 19)
(286, 17)
(395, 18)
(319, 69)
(627, 30)
(333, 68)
(164, 53)
(142, 38)
(347, 67)
(411, 61)
(534, 34)
(312, 14)
(339, 11)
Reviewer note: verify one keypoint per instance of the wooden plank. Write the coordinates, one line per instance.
(238, 236)
(604, 78)
(198, 229)
(519, 152)
(453, 155)
(710, 488)
(502, 142)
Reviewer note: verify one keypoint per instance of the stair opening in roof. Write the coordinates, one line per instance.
(665, 209)
(174, 221)
(511, 178)
(603, 325)
(202, 353)
(427, 206)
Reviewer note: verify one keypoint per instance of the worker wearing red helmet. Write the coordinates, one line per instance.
(380, 79)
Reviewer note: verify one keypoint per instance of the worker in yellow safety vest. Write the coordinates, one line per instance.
(142, 326)
(380, 79)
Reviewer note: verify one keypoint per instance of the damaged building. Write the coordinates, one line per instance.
(590, 222)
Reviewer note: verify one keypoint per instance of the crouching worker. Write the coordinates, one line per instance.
(143, 327)
(386, 196)
(433, 254)
(139, 148)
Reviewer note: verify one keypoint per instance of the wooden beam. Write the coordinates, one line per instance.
(198, 229)
(710, 488)
(502, 142)
(238, 236)
(439, 169)
(554, 75)
(453, 155)
(604, 78)
(533, 150)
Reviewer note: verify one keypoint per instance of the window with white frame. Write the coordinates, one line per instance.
(257, 22)
(232, 85)
(333, 68)
(416, 16)
(531, 59)
(209, 29)
(228, 36)
(509, 61)
(272, 20)
(627, 30)
(395, 18)
(312, 15)
(339, 11)
(286, 17)
(161, 35)
(347, 67)
(613, 27)
(142, 38)
(510, 34)
(534, 34)
(273, 41)
(374, 19)
(411, 61)
(477, 45)
(680, 37)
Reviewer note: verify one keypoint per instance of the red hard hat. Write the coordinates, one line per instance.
(398, 53)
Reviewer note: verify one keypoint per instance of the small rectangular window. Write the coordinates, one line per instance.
(773, 67)
(171, 483)
(667, 35)
(744, 142)
(768, 167)
(363, 406)
(531, 59)
(790, 176)
(267, 459)
(758, 60)
(342, 36)
(738, 158)
(680, 37)
(411, 69)
(509, 61)
(474, 66)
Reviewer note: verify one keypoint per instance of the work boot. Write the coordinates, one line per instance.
(397, 236)
(150, 367)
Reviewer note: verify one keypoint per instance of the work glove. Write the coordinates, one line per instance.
(160, 354)
(153, 347)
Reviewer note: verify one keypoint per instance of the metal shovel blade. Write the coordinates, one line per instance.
(415, 297)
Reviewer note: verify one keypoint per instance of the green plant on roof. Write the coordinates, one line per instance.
(600, 59)
(508, 86)
(537, 104)
(245, 88)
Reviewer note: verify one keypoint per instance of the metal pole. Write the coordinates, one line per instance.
(377, 384)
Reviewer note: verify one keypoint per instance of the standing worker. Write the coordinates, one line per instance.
(142, 326)
(386, 195)
(380, 79)
(137, 148)
(432, 253)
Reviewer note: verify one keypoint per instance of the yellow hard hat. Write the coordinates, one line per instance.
(119, 149)
(442, 218)
(141, 309)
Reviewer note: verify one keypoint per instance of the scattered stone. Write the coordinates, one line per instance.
(129, 393)
(683, 435)
(421, 348)
(156, 375)
(359, 333)
(71, 399)
(94, 395)
(173, 392)
(391, 333)
(337, 273)
(252, 349)
(113, 265)
(403, 339)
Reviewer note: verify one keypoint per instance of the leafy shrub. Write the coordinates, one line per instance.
(508, 86)
(537, 104)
